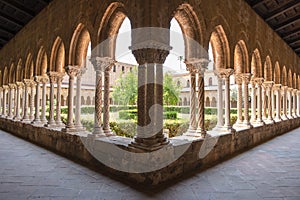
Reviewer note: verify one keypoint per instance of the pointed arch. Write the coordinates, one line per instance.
(256, 66)
(5, 76)
(12, 75)
(220, 48)
(29, 67)
(79, 46)
(290, 79)
(57, 59)
(268, 69)
(284, 76)
(41, 63)
(20, 71)
(241, 63)
(277, 73)
(109, 28)
(295, 81)
(1, 78)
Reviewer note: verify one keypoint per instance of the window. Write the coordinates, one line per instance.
(123, 69)
(114, 68)
(188, 83)
(210, 81)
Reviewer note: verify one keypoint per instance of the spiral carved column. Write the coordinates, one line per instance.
(106, 126)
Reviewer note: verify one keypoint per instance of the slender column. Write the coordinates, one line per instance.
(4, 110)
(298, 103)
(58, 121)
(1, 100)
(106, 126)
(78, 124)
(152, 138)
(44, 81)
(53, 80)
(72, 71)
(259, 82)
(277, 89)
(246, 78)
(193, 122)
(268, 85)
(15, 101)
(239, 82)
(226, 75)
(27, 84)
(253, 101)
(284, 102)
(31, 115)
(294, 92)
(10, 105)
(264, 102)
(20, 85)
(37, 119)
(220, 102)
(290, 113)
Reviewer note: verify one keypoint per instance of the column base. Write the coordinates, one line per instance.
(269, 121)
(284, 117)
(109, 133)
(98, 131)
(222, 129)
(150, 144)
(295, 116)
(242, 126)
(290, 117)
(37, 123)
(26, 120)
(71, 130)
(17, 118)
(277, 119)
(257, 123)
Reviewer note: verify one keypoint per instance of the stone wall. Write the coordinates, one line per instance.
(219, 147)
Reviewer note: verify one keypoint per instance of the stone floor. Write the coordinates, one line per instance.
(269, 171)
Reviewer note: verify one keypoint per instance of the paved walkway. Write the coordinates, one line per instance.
(269, 171)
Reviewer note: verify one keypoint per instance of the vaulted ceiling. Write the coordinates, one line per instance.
(283, 16)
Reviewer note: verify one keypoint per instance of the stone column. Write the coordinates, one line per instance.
(152, 137)
(264, 102)
(193, 122)
(10, 104)
(4, 110)
(72, 71)
(246, 79)
(53, 80)
(277, 89)
(27, 84)
(259, 82)
(269, 85)
(20, 85)
(15, 101)
(298, 103)
(253, 101)
(31, 115)
(106, 126)
(284, 102)
(37, 119)
(220, 123)
(239, 82)
(44, 81)
(78, 124)
(58, 121)
(100, 65)
(1, 100)
(294, 92)
(290, 113)
(226, 75)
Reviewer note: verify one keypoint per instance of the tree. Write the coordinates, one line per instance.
(125, 91)
(171, 90)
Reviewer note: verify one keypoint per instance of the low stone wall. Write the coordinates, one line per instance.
(183, 155)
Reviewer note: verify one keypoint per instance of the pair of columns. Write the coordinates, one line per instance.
(196, 127)
(256, 101)
(73, 72)
(28, 88)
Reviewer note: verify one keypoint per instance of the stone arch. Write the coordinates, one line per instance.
(57, 59)
(207, 102)
(220, 48)
(213, 102)
(1, 78)
(295, 81)
(12, 75)
(284, 76)
(277, 73)
(191, 27)
(20, 71)
(108, 29)
(29, 67)
(41, 63)
(268, 69)
(241, 64)
(290, 79)
(88, 101)
(5, 76)
(298, 83)
(256, 66)
(79, 46)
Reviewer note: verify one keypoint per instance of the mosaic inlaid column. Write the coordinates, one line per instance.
(106, 126)
(10, 105)
(53, 80)
(27, 85)
(277, 89)
(58, 120)
(37, 119)
(72, 72)
(78, 124)
(4, 109)
(193, 123)
(20, 86)
(44, 81)
(294, 92)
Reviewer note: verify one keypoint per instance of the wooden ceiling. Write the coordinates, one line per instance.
(283, 16)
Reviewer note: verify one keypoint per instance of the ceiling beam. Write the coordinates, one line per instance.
(286, 23)
(6, 30)
(294, 41)
(4, 39)
(281, 10)
(19, 7)
(257, 3)
(10, 19)
(45, 2)
(291, 33)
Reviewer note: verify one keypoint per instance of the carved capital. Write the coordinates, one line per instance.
(259, 81)
(197, 65)
(246, 78)
(277, 87)
(52, 76)
(238, 79)
(295, 91)
(268, 84)
(5, 87)
(150, 55)
(41, 79)
(12, 86)
(224, 73)
(72, 71)
(20, 84)
(101, 63)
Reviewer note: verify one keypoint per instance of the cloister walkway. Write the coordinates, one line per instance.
(269, 171)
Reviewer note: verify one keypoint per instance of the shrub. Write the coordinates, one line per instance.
(128, 114)
(170, 115)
